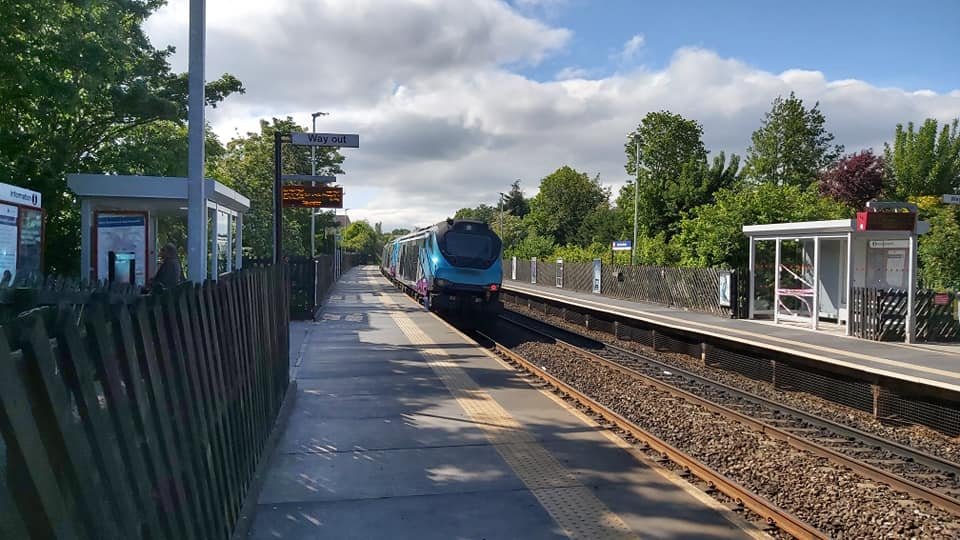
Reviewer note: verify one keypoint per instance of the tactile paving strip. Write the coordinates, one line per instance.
(571, 504)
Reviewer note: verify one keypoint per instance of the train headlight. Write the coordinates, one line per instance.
(441, 282)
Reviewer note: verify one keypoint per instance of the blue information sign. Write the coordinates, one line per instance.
(622, 245)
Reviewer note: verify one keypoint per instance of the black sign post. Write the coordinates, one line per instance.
(348, 140)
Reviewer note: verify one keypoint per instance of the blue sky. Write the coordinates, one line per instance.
(454, 99)
(911, 44)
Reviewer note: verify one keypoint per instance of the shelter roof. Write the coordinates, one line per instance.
(156, 193)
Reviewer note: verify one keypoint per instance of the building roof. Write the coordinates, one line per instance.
(155, 193)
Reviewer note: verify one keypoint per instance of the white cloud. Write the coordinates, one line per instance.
(632, 47)
(445, 123)
(572, 72)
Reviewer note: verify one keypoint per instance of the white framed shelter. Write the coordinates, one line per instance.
(155, 196)
(805, 271)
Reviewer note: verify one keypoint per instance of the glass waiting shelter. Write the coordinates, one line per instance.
(119, 222)
(803, 273)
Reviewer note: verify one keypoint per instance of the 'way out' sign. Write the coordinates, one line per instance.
(344, 140)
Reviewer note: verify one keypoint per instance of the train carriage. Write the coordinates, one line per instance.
(453, 266)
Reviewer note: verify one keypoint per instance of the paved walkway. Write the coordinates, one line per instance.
(403, 429)
(931, 365)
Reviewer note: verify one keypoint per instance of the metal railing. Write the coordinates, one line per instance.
(695, 289)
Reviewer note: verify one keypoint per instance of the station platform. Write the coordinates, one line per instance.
(931, 365)
(403, 428)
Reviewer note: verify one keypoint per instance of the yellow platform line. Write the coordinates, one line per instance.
(572, 505)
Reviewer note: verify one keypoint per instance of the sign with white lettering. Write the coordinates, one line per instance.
(19, 195)
(622, 245)
(8, 240)
(889, 244)
(951, 199)
(343, 140)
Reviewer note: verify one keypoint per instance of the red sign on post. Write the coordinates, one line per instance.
(941, 299)
(886, 221)
(306, 196)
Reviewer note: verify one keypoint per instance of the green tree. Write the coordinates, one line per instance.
(248, 166)
(923, 163)
(939, 249)
(713, 234)
(533, 245)
(360, 237)
(792, 146)
(565, 199)
(515, 202)
(674, 173)
(78, 76)
(484, 213)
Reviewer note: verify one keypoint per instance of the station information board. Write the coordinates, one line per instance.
(307, 196)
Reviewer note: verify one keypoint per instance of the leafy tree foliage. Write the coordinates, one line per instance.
(533, 245)
(939, 250)
(792, 146)
(921, 162)
(854, 180)
(248, 166)
(713, 233)
(565, 199)
(484, 213)
(675, 175)
(78, 77)
(514, 202)
(360, 237)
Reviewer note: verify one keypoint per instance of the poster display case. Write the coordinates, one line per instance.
(21, 232)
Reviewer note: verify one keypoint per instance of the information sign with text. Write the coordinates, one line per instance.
(342, 140)
(305, 196)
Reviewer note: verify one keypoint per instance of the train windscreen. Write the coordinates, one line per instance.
(468, 244)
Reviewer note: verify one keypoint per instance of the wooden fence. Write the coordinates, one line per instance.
(880, 314)
(147, 419)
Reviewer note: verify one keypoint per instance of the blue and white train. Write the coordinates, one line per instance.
(453, 266)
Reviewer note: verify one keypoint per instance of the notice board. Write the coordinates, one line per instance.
(122, 233)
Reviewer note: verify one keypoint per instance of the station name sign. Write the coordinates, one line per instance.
(342, 140)
(622, 245)
(306, 196)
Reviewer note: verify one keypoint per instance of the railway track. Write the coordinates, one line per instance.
(775, 517)
(919, 474)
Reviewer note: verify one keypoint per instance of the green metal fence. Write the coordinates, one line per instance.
(147, 419)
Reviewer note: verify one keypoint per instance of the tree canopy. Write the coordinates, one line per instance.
(565, 199)
(78, 78)
(854, 180)
(792, 146)
(515, 202)
(923, 162)
(674, 175)
(247, 166)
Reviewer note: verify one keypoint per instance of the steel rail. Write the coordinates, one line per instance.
(867, 470)
(869, 439)
(759, 505)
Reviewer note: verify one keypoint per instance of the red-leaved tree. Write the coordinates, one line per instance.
(854, 180)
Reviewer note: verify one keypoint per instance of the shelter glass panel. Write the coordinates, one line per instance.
(795, 292)
(763, 284)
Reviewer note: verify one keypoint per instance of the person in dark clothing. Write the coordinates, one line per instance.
(169, 274)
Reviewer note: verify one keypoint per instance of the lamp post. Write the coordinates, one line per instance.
(636, 197)
(313, 172)
(501, 217)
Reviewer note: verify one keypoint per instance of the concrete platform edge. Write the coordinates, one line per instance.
(242, 528)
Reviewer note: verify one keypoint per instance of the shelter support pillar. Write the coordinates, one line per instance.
(776, 283)
(752, 268)
(849, 284)
(911, 323)
(229, 247)
(86, 228)
(815, 308)
(214, 244)
(152, 245)
(238, 251)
